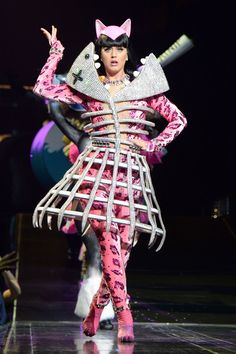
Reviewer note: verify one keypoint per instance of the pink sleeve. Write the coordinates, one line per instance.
(176, 122)
(44, 85)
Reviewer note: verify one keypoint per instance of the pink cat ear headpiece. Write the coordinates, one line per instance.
(113, 32)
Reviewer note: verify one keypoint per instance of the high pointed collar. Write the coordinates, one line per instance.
(83, 77)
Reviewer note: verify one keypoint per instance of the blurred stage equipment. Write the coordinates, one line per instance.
(221, 210)
(48, 160)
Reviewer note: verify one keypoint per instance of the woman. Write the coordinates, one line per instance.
(109, 185)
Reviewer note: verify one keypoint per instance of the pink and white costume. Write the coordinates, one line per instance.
(110, 185)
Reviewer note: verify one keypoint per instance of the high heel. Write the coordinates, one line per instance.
(91, 322)
(125, 326)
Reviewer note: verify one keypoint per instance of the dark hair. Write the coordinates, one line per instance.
(105, 41)
(121, 41)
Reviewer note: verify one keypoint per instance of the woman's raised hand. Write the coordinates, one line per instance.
(51, 37)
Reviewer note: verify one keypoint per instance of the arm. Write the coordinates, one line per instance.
(176, 122)
(44, 85)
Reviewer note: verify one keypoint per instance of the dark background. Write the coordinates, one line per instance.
(199, 168)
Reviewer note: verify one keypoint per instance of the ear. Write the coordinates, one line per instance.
(126, 26)
(99, 27)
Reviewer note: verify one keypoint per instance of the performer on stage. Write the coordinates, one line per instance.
(109, 186)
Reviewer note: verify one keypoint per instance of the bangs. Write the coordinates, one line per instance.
(105, 41)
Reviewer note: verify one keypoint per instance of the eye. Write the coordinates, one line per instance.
(120, 49)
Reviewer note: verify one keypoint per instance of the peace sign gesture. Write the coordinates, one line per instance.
(52, 37)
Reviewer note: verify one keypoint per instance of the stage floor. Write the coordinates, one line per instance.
(40, 337)
(176, 310)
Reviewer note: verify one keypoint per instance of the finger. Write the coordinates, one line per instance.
(54, 30)
(45, 32)
(54, 33)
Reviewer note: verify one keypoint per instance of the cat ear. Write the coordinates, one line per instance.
(99, 27)
(126, 26)
(113, 31)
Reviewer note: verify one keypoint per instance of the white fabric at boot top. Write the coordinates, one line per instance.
(88, 288)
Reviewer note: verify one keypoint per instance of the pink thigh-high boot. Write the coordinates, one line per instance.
(91, 322)
(115, 247)
(124, 316)
(114, 256)
(113, 286)
(115, 251)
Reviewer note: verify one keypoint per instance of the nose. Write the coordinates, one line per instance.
(113, 52)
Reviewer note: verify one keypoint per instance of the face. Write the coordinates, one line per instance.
(114, 59)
